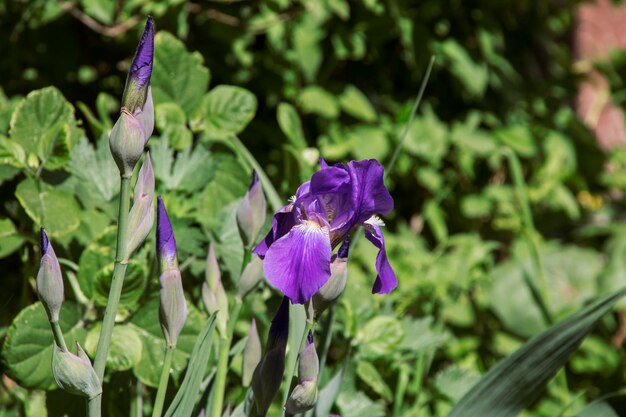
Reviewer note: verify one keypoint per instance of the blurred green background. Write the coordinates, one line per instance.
(338, 79)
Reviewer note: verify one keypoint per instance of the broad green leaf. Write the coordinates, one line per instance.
(27, 351)
(146, 323)
(595, 355)
(306, 52)
(228, 246)
(357, 404)
(367, 142)
(435, 217)
(42, 125)
(290, 124)
(101, 10)
(473, 76)
(49, 207)
(95, 176)
(135, 282)
(188, 171)
(226, 110)
(124, 349)
(381, 335)
(228, 182)
(518, 380)
(95, 257)
(179, 76)
(183, 403)
(356, 104)
(454, 382)
(10, 241)
(314, 99)
(12, 153)
(371, 377)
(519, 138)
(427, 138)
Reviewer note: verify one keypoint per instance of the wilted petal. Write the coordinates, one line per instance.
(369, 194)
(386, 280)
(298, 264)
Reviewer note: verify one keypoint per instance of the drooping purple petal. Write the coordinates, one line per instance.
(298, 264)
(386, 280)
(141, 67)
(282, 223)
(166, 243)
(369, 194)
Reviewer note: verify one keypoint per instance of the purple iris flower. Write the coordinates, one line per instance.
(297, 251)
(166, 243)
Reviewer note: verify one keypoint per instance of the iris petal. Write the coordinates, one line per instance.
(386, 280)
(298, 264)
(369, 194)
(283, 221)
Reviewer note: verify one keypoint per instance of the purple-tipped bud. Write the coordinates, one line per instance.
(251, 355)
(74, 373)
(173, 307)
(268, 374)
(126, 141)
(49, 279)
(138, 79)
(251, 212)
(213, 293)
(332, 290)
(304, 395)
(166, 243)
(141, 216)
(251, 276)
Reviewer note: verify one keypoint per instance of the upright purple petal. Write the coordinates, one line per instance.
(141, 67)
(166, 243)
(298, 264)
(44, 241)
(386, 280)
(333, 179)
(369, 194)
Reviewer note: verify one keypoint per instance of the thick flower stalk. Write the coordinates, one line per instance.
(298, 249)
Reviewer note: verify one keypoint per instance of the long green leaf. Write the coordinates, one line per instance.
(517, 381)
(183, 403)
(613, 405)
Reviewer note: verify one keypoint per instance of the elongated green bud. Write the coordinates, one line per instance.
(251, 354)
(326, 296)
(141, 216)
(251, 212)
(74, 373)
(173, 307)
(251, 276)
(269, 372)
(49, 279)
(213, 293)
(304, 395)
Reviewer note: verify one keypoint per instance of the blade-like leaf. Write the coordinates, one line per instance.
(613, 405)
(519, 380)
(187, 395)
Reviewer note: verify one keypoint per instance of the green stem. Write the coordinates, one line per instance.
(222, 361)
(272, 195)
(58, 335)
(165, 377)
(94, 406)
(119, 271)
(292, 370)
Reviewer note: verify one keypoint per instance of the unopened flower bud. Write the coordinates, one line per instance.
(333, 288)
(138, 79)
(251, 354)
(304, 395)
(251, 212)
(166, 242)
(251, 276)
(213, 293)
(268, 374)
(49, 279)
(126, 141)
(141, 216)
(74, 373)
(173, 308)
